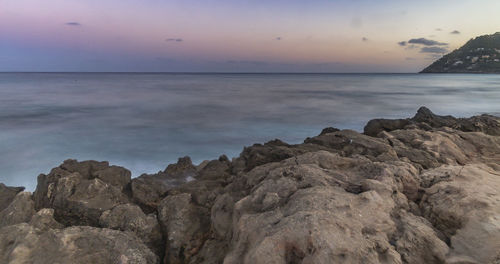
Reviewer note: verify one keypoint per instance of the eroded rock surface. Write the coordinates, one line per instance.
(130, 217)
(419, 190)
(7, 195)
(23, 243)
(77, 194)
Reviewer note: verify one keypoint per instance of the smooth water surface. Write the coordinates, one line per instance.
(145, 121)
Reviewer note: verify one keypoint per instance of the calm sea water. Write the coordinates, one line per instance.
(146, 121)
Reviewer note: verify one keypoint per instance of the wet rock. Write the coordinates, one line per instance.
(129, 217)
(23, 243)
(7, 195)
(20, 210)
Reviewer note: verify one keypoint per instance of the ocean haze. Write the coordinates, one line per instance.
(145, 121)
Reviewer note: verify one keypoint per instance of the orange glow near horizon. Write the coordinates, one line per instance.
(320, 32)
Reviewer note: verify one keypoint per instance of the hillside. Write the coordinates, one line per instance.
(478, 55)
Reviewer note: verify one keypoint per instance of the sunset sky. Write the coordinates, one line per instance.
(237, 35)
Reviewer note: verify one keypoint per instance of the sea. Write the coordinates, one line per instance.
(144, 121)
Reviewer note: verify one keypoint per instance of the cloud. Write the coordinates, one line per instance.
(456, 32)
(174, 40)
(438, 50)
(410, 59)
(402, 43)
(364, 39)
(74, 24)
(438, 29)
(278, 38)
(426, 42)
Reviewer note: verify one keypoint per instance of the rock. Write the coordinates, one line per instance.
(44, 220)
(419, 242)
(329, 130)
(222, 216)
(212, 252)
(272, 151)
(186, 226)
(182, 169)
(149, 189)
(129, 217)
(425, 119)
(85, 168)
(20, 210)
(115, 176)
(350, 143)
(375, 126)
(7, 195)
(466, 208)
(23, 243)
(318, 213)
(78, 199)
(417, 190)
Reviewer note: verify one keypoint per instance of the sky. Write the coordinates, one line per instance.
(237, 35)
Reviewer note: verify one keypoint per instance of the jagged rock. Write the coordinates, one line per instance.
(417, 190)
(212, 252)
(20, 210)
(78, 199)
(319, 213)
(115, 176)
(23, 243)
(186, 226)
(418, 242)
(44, 220)
(329, 130)
(184, 168)
(149, 189)
(7, 195)
(222, 215)
(425, 119)
(350, 143)
(466, 208)
(272, 151)
(129, 217)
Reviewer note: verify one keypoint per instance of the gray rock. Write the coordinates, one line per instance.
(129, 217)
(78, 199)
(44, 220)
(19, 211)
(115, 176)
(426, 119)
(7, 195)
(186, 226)
(417, 190)
(149, 189)
(23, 243)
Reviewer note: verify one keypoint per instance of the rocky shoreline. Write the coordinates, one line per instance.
(419, 190)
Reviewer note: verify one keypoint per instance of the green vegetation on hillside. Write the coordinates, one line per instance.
(478, 55)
